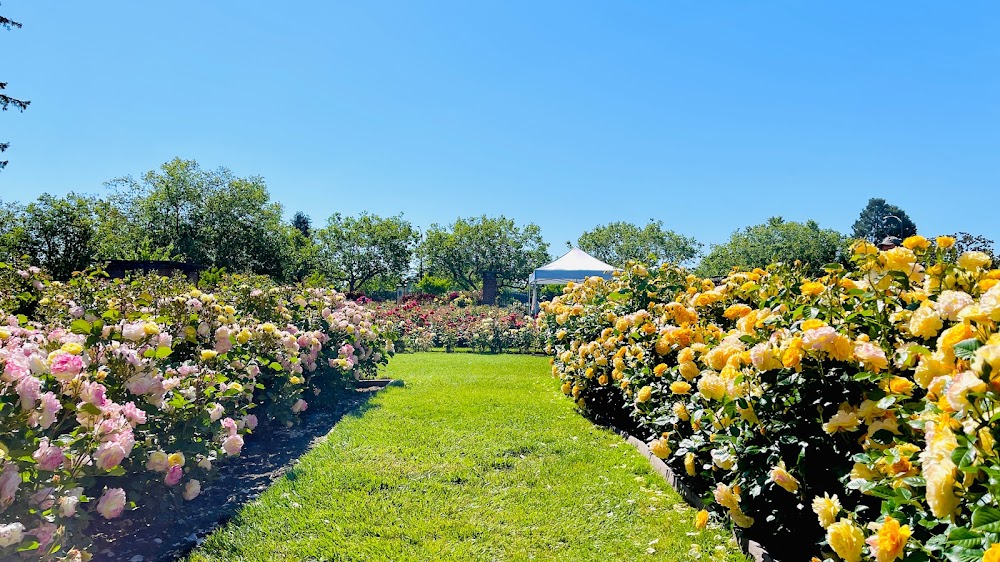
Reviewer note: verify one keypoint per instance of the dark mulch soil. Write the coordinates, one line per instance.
(156, 533)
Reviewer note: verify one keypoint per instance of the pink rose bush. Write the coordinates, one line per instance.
(854, 416)
(417, 326)
(151, 382)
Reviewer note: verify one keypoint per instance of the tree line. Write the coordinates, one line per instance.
(183, 212)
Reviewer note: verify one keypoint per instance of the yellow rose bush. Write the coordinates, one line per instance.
(116, 394)
(868, 397)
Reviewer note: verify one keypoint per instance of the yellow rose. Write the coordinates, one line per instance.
(712, 386)
(566, 387)
(863, 247)
(898, 259)
(846, 539)
(659, 369)
(812, 324)
(208, 354)
(602, 380)
(890, 541)
(680, 410)
(72, 348)
(689, 370)
(812, 288)
(843, 420)
(916, 242)
(150, 329)
(782, 478)
(992, 554)
(175, 459)
(944, 242)
(925, 322)
(736, 311)
(660, 448)
(701, 520)
(826, 508)
(645, 393)
(974, 260)
(689, 465)
(680, 387)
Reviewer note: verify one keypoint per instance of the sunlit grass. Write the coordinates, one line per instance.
(476, 458)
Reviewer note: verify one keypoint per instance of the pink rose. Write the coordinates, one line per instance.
(93, 393)
(48, 457)
(215, 411)
(174, 475)
(229, 425)
(66, 366)
(300, 405)
(250, 421)
(109, 455)
(10, 479)
(69, 502)
(50, 407)
(191, 490)
(29, 389)
(135, 415)
(112, 503)
(232, 445)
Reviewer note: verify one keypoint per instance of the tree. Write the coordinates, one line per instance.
(59, 233)
(359, 250)
(775, 241)
(965, 242)
(876, 222)
(618, 242)
(484, 252)
(11, 231)
(210, 217)
(302, 223)
(5, 100)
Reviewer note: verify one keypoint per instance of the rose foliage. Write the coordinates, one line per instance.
(852, 416)
(118, 393)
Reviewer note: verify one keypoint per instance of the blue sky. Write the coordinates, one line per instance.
(710, 116)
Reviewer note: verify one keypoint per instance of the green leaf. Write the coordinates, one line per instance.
(80, 326)
(91, 409)
(965, 538)
(986, 518)
(963, 456)
(162, 352)
(33, 545)
(960, 554)
(966, 349)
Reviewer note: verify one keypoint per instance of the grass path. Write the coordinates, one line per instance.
(475, 458)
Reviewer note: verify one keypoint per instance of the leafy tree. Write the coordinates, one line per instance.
(59, 233)
(359, 250)
(618, 242)
(875, 222)
(965, 242)
(11, 231)
(776, 240)
(209, 217)
(302, 223)
(433, 285)
(485, 252)
(5, 100)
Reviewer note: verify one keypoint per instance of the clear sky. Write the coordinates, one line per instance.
(708, 115)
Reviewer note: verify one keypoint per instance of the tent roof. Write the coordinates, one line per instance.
(574, 265)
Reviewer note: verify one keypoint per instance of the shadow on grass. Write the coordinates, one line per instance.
(169, 530)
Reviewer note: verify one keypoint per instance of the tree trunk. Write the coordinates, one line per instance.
(489, 287)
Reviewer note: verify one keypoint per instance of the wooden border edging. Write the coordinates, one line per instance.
(751, 548)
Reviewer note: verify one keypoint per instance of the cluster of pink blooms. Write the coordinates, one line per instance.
(86, 394)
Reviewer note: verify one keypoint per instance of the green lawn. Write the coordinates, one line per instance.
(475, 458)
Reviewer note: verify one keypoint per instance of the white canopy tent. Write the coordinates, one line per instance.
(575, 265)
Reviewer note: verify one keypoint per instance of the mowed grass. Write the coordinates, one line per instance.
(475, 458)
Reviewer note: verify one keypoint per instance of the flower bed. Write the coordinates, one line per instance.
(118, 393)
(847, 417)
(420, 326)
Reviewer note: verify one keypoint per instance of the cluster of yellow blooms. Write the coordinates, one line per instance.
(908, 340)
